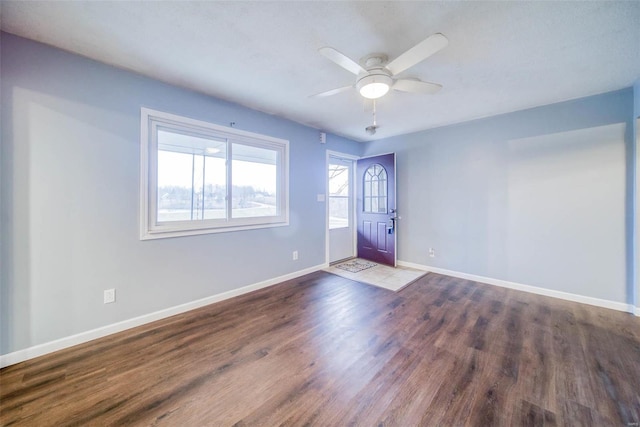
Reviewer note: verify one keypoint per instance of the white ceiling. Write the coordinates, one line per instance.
(502, 56)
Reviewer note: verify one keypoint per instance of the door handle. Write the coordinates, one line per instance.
(392, 223)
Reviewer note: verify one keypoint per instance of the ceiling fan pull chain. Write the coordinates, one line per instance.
(374, 113)
(371, 130)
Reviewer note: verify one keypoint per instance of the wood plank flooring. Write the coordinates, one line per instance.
(324, 350)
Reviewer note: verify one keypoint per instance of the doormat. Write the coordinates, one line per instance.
(355, 265)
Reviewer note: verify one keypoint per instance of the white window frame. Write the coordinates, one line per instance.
(150, 228)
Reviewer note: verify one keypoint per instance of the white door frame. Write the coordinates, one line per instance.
(353, 191)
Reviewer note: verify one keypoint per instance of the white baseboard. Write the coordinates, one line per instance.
(70, 341)
(528, 288)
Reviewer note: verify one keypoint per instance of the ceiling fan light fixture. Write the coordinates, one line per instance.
(374, 90)
(374, 86)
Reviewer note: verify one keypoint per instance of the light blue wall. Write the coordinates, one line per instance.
(538, 197)
(70, 165)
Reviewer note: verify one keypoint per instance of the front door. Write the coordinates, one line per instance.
(376, 209)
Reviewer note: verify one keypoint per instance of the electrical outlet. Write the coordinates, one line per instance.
(295, 255)
(432, 253)
(109, 296)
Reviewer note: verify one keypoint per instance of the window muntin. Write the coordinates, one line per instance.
(339, 195)
(198, 178)
(375, 189)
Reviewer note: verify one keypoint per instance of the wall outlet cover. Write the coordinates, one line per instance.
(109, 296)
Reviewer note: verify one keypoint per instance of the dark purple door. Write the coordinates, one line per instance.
(376, 210)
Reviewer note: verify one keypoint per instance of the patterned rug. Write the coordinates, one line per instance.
(355, 265)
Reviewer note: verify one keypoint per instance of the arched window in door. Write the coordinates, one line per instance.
(375, 189)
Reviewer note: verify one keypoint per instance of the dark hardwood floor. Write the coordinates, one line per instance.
(323, 350)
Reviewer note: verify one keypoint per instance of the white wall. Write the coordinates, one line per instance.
(70, 178)
(537, 197)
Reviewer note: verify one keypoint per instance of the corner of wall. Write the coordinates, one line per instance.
(635, 298)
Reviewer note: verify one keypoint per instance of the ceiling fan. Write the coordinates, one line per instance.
(378, 75)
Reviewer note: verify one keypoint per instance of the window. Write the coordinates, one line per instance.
(339, 200)
(375, 189)
(199, 178)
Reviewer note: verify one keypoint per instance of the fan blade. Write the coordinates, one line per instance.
(342, 60)
(331, 92)
(418, 53)
(416, 86)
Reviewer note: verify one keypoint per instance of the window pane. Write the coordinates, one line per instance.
(374, 204)
(382, 187)
(198, 186)
(338, 180)
(382, 204)
(215, 188)
(188, 167)
(255, 182)
(338, 212)
(174, 186)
